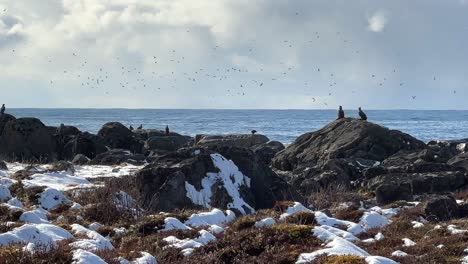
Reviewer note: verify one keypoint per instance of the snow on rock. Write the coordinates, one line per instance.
(184, 244)
(373, 220)
(5, 194)
(81, 256)
(94, 243)
(57, 180)
(172, 223)
(379, 237)
(75, 206)
(15, 202)
(417, 224)
(454, 230)
(216, 229)
(408, 242)
(123, 199)
(215, 217)
(40, 234)
(296, 208)
(7, 182)
(265, 222)
(230, 177)
(146, 258)
(390, 212)
(36, 216)
(95, 226)
(50, 198)
(399, 253)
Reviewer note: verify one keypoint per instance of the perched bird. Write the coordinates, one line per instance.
(254, 132)
(131, 128)
(140, 127)
(2, 111)
(362, 114)
(167, 130)
(340, 113)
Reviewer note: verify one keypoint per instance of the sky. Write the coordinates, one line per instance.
(242, 54)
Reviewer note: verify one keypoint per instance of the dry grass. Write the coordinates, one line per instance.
(332, 196)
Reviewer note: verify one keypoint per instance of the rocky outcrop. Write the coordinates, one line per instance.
(116, 136)
(165, 143)
(268, 150)
(27, 139)
(441, 208)
(459, 161)
(224, 177)
(86, 144)
(233, 140)
(344, 138)
(4, 119)
(117, 157)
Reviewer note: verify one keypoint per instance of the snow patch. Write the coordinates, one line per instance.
(94, 243)
(81, 256)
(57, 180)
(37, 234)
(267, 222)
(51, 198)
(215, 217)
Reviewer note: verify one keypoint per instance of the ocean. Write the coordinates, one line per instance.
(281, 125)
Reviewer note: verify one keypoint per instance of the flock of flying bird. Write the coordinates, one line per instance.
(167, 72)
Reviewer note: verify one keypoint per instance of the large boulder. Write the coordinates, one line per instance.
(117, 157)
(3, 165)
(165, 143)
(233, 140)
(402, 186)
(344, 138)
(268, 150)
(4, 119)
(225, 177)
(117, 136)
(441, 208)
(27, 139)
(459, 161)
(86, 144)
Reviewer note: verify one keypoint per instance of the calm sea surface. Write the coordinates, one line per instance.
(281, 125)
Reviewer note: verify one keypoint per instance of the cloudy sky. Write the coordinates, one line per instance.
(275, 54)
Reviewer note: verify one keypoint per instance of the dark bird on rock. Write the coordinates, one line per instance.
(140, 127)
(2, 111)
(254, 132)
(131, 128)
(362, 114)
(167, 130)
(341, 113)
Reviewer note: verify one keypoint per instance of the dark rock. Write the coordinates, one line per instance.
(117, 136)
(27, 139)
(80, 159)
(165, 143)
(4, 119)
(388, 193)
(417, 183)
(3, 165)
(117, 157)
(85, 143)
(407, 157)
(236, 140)
(163, 184)
(267, 151)
(344, 138)
(459, 161)
(441, 208)
(463, 210)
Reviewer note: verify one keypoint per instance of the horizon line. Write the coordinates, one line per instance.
(227, 109)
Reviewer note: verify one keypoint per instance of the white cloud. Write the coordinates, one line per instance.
(377, 22)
